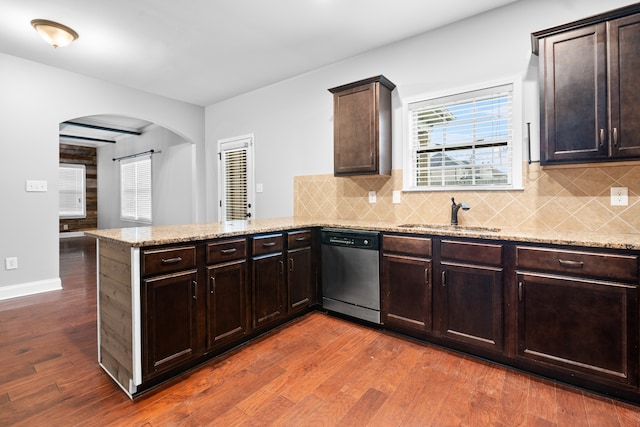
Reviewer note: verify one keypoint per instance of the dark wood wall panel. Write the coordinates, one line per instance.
(86, 156)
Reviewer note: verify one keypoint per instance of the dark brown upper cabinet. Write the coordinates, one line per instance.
(362, 127)
(590, 89)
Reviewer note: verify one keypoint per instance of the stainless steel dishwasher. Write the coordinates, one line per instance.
(351, 273)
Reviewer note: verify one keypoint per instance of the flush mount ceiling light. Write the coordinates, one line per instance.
(57, 35)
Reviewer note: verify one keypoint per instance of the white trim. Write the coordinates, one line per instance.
(517, 133)
(30, 288)
(68, 234)
(98, 300)
(136, 327)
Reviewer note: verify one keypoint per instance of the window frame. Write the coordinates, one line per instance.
(137, 218)
(82, 214)
(517, 142)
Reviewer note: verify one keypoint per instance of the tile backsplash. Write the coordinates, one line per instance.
(567, 198)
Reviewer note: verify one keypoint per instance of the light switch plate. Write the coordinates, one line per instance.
(396, 196)
(619, 196)
(11, 263)
(259, 188)
(36, 186)
(372, 197)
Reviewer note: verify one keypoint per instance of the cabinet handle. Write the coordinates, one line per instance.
(601, 138)
(615, 136)
(213, 285)
(228, 251)
(292, 265)
(171, 260)
(195, 290)
(426, 276)
(281, 268)
(570, 264)
(301, 239)
(520, 291)
(268, 244)
(371, 157)
(444, 279)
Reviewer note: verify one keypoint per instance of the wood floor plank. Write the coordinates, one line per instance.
(317, 371)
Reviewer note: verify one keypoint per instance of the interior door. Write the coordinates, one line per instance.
(235, 178)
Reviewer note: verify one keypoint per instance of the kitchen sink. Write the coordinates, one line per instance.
(471, 228)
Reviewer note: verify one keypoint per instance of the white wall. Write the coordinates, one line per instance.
(35, 99)
(293, 120)
(173, 198)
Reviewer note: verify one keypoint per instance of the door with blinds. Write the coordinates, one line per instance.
(235, 178)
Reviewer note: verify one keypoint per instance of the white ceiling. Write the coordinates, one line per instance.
(205, 51)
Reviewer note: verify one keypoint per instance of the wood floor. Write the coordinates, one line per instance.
(317, 371)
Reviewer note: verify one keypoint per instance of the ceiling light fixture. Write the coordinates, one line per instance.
(57, 35)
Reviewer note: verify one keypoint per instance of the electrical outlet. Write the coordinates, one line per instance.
(11, 263)
(372, 197)
(619, 196)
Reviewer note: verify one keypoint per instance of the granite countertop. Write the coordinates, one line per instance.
(158, 235)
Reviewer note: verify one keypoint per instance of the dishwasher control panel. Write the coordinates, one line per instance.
(350, 238)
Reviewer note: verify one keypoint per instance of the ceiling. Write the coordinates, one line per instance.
(205, 51)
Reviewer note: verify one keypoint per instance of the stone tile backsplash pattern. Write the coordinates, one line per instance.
(572, 198)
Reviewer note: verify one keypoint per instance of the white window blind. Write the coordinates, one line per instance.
(72, 191)
(462, 141)
(135, 189)
(235, 176)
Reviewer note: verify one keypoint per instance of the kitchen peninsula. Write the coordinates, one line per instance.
(564, 305)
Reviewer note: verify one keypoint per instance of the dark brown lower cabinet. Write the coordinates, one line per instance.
(226, 303)
(472, 305)
(299, 278)
(169, 321)
(406, 293)
(406, 284)
(587, 327)
(470, 294)
(268, 280)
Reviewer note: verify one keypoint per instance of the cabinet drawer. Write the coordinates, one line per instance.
(407, 245)
(226, 250)
(481, 253)
(167, 260)
(621, 267)
(299, 239)
(267, 244)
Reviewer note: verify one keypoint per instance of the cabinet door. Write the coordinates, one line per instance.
(169, 304)
(586, 327)
(226, 303)
(624, 39)
(406, 293)
(268, 289)
(574, 124)
(472, 305)
(355, 130)
(301, 289)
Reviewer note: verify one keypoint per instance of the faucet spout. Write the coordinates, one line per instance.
(455, 207)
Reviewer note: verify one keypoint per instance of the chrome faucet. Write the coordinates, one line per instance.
(454, 210)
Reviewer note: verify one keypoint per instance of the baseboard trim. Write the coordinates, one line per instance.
(30, 288)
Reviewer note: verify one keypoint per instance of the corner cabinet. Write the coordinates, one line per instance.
(590, 89)
(362, 127)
